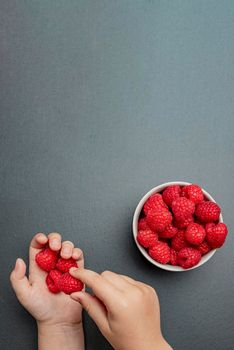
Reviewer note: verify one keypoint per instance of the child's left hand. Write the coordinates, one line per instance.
(32, 293)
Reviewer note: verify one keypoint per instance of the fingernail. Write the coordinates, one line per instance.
(54, 243)
(66, 250)
(17, 264)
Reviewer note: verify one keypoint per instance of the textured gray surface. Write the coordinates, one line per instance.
(99, 102)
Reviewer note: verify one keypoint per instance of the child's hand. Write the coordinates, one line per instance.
(53, 312)
(126, 311)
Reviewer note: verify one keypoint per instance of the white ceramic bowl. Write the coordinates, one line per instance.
(137, 213)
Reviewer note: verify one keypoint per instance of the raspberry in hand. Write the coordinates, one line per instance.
(64, 265)
(46, 259)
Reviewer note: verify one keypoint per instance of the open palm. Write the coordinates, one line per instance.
(33, 293)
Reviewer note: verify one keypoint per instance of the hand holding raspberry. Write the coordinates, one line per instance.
(51, 311)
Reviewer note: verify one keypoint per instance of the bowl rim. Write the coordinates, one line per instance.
(136, 215)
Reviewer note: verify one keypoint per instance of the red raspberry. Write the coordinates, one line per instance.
(193, 192)
(169, 232)
(178, 241)
(147, 238)
(173, 259)
(154, 202)
(182, 208)
(52, 280)
(69, 284)
(158, 219)
(195, 233)
(208, 211)
(183, 224)
(160, 253)
(46, 259)
(142, 224)
(216, 234)
(204, 248)
(171, 193)
(64, 265)
(188, 257)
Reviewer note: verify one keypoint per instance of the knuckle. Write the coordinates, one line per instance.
(123, 303)
(96, 279)
(138, 294)
(106, 273)
(151, 290)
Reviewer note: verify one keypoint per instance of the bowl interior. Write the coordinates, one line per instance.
(136, 216)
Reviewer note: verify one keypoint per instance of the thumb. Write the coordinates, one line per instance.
(19, 281)
(95, 309)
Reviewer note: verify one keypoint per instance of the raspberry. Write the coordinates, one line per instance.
(173, 259)
(188, 257)
(182, 208)
(207, 211)
(154, 202)
(204, 248)
(178, 241)
(147, 238)
(171, 193)
(193, 192)
(52, 281)
(160, 253)
(46, 259)
(183, 224)
(195, 233)
(158, 219)
(142, 224)
(216, 234)
(169, 232)
(69, 284)
(64, 265)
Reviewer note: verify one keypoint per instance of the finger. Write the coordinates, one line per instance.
(38, 242)
(101, 287)
(78, 256)
(20, 282)
(115, 280)
(54, 241)
(94, 307)
(67, 249)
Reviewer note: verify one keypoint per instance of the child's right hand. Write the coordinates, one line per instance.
(126, 311)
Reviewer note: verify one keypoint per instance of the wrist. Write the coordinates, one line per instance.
(61, 327)
(60, 336)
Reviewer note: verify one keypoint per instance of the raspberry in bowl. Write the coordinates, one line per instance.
(178, 226)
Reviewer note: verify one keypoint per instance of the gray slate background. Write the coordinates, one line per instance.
(99, 102)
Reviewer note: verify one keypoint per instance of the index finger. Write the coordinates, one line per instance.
(102, 289)
(38, 242)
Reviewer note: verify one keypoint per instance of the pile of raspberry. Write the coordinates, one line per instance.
(58, 278)
(179, 226)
